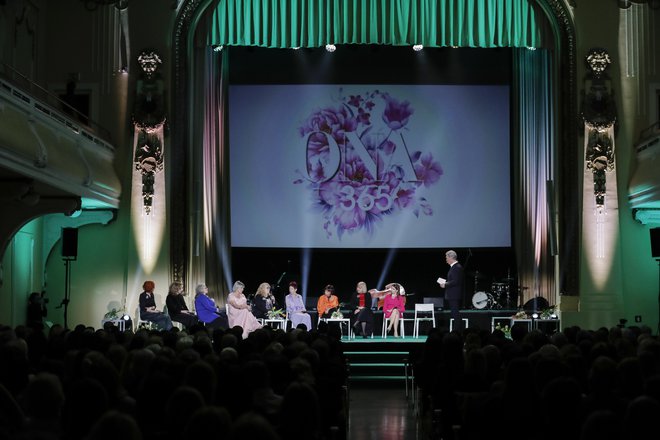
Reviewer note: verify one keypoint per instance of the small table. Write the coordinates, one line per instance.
(499, 320)
(527, 320)
(547, 325)
(118, 322)
(349, 332)
(276, 323)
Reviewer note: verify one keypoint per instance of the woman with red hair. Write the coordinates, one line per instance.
(148, 311)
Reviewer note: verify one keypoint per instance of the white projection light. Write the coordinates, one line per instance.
(418, 47)
(330, 47)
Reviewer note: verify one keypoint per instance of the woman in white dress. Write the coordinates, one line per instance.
(296, 308)
(239, 312)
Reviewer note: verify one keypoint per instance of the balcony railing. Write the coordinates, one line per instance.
(25, 89)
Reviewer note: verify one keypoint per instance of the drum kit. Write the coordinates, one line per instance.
(499, 296)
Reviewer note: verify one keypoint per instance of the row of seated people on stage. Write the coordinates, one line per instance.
(98, 384)
(239, 312)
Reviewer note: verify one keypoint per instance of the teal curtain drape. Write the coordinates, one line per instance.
(315, 23)
(535, 174)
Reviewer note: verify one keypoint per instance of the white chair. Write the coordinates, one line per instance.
(451, 323)
(386, 322)
(139, 322)
(421, 311)
(402, 321)
(174, 323)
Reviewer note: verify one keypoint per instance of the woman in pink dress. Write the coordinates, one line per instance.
(238, 310)
(394, 303)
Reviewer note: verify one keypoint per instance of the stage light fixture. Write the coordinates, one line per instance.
(531, 48)
(535, 315)
(330, 47)
(218, 47)
(418, 47)
(296, 48)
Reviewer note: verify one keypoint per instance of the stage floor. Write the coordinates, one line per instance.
(480, 319)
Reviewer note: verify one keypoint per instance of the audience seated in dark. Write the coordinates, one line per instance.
(179, 384)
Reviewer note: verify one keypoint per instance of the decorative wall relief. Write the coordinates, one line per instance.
(148, 192)
(600, 221)
(148, 122)
(599, 116)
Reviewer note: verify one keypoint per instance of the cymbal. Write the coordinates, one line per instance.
(477, 275)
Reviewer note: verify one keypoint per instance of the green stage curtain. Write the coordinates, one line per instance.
(433, 23)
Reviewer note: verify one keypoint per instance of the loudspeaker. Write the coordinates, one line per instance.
(655, 242)
(438, 302)
(70, 242)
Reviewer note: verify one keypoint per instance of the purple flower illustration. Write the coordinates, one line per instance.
(396, 114)
(428, 171)
(357, 196)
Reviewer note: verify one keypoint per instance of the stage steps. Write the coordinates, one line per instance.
(377, 366)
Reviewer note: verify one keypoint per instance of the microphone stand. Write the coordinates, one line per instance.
(467, 261)
(67, 289)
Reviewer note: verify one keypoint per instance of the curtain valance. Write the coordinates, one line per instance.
(315, 23)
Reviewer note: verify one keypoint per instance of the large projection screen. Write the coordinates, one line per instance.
(369, 166)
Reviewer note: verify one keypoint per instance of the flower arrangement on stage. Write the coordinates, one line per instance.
(520, 314)
(360, 170)
(114, 314)
(337, 315)
(549, 313)
(276, 314)
(504, 329)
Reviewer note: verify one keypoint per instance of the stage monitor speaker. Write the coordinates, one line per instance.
(655, 242)
(536, 304)
(437, 301)
(70, 242)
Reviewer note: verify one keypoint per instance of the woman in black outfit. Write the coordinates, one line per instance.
(177, 307)
(263, 301)
(363, 318)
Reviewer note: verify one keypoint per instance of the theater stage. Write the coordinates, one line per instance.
(379, 361)
(480, 319)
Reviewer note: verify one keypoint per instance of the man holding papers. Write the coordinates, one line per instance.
(453, 286)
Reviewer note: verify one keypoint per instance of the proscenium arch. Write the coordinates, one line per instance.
(191, 13)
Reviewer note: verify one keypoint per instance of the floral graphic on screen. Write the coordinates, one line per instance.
(359, 169)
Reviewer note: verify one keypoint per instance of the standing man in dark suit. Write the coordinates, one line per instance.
(453, 286)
